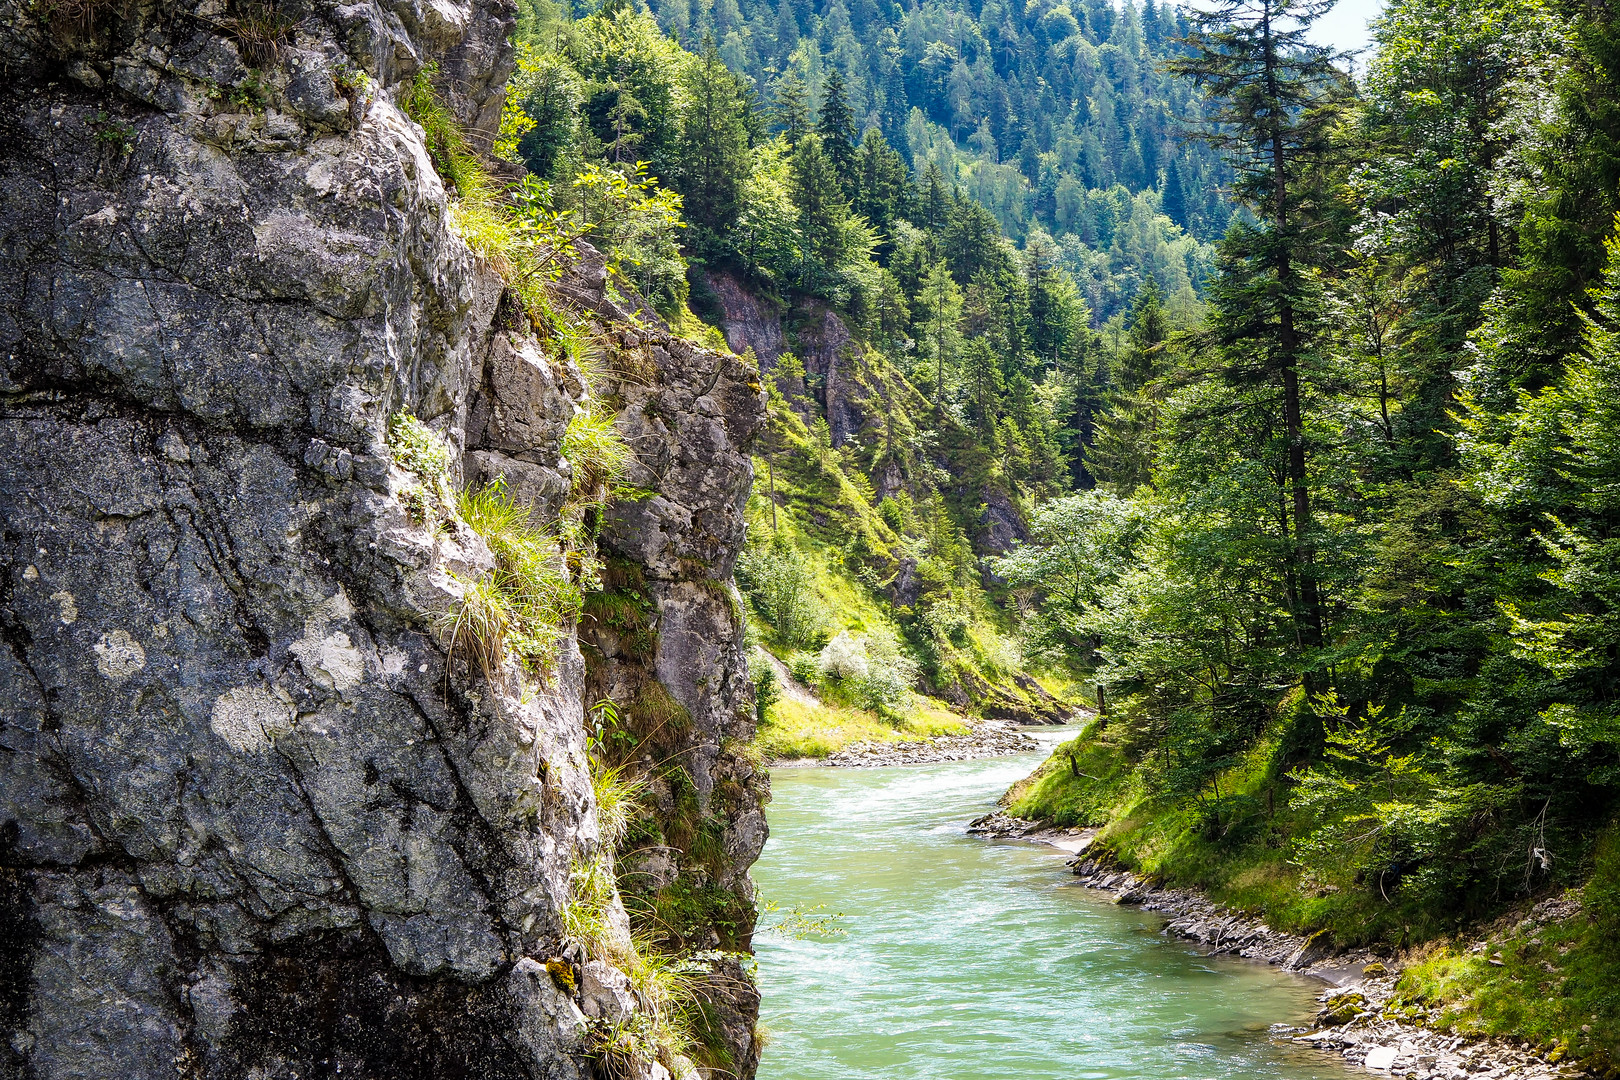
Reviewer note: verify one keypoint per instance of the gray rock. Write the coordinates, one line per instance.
(606, 992)
(251, 823)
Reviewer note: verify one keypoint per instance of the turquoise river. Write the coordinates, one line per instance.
(962, 959)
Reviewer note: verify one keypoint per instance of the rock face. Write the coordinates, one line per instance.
(664, 643)
(250, 823)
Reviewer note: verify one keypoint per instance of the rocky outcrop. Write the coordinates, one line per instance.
(251, 821)
(664, 644)
(750, 321)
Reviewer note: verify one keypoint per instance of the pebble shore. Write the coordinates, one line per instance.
(987, 739)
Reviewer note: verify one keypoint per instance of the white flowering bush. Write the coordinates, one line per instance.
(844, 657)
(871, 668)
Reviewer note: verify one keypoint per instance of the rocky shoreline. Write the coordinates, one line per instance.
(987, 739)
(1358, 1018)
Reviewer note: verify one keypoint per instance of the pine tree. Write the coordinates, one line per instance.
(1174, 200)
(939, 305)
(1122, 454)
(1148, 331)
(624, 117)
(882, 183)
(823, 212)
(1565, 221)
(791, 108)
(712, 159)
(981, 370)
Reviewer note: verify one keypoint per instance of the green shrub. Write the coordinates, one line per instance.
(870, 670)
(767, 690)
(419, 449)
(781, 583)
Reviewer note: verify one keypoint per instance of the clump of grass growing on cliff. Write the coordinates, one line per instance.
(479, 626)
(479, 215)
(597, 453)
(617, 802)
(525, 603)
(446, 144)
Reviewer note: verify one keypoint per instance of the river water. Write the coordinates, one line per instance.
(963, 959)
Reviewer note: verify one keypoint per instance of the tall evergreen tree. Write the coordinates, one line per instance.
(835, 123)
(823, 212)
(791, 107)
(882, 184)
(1174, 200)
(939, 311)
(712, 158)
(1277, 98)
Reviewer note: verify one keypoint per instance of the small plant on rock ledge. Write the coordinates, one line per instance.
(417, 448)
(524, 604)
(598, 455)
(260, 31)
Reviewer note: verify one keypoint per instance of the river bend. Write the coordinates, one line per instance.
(963, 959)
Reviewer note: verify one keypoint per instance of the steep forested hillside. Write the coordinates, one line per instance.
(1062, 123)
(1057, 117)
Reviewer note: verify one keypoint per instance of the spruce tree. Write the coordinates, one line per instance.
(835, 123)
(1275, 95)
(939, 306)
(1174, 200)
(712, 158)
(791, 108)
(823, 212)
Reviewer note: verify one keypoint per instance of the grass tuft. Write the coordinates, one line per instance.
(598, 455)
(526, 603)
(479, 627)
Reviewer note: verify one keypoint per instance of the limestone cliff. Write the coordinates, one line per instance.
(253, 822)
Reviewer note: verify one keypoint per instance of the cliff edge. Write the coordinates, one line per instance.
(254, 819)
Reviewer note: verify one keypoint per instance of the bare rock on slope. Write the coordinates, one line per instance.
(249, 824)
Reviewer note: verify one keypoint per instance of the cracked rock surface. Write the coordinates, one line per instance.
(249, 823)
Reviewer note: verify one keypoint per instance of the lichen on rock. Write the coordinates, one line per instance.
(253, 819)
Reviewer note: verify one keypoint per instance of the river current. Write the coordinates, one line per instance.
(962, 959)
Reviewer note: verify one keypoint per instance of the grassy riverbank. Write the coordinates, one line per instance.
(1472, 965)
(804, 729)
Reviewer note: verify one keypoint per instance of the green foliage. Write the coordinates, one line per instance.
(779, 580)
(1551, 983)
(796, 730)
(1352, 592)
(1082, 783)
(592, 446)
(1036, 112)
(418, 448)
(526, 602)
(871, 671)
(767, 687)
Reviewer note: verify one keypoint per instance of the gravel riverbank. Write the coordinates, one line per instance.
(1357, 1018)
(987, 739)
